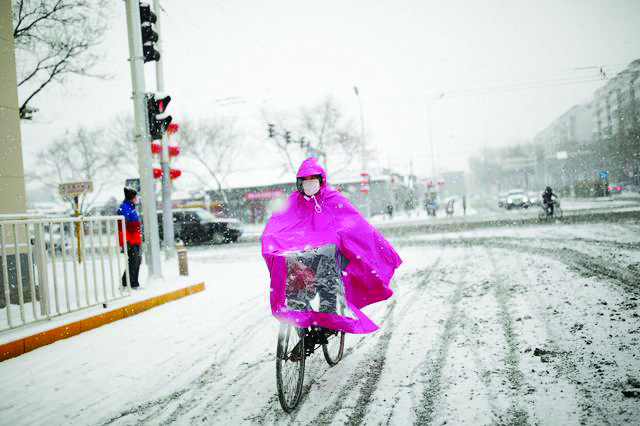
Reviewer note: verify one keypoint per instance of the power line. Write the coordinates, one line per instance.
(258, 42)
(219, 45)
(384, 101)
(483, 91)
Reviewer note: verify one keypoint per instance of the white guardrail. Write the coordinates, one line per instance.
(58, 265)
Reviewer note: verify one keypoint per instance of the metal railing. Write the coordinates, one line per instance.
(58, 265)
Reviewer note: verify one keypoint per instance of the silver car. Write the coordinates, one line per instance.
(517, 199)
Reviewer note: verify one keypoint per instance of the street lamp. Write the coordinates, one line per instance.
(433, 161)
(364, 153)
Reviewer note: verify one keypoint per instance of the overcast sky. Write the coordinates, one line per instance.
(507, 69)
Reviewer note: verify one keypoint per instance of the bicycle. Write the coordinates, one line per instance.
(545, 213)
(294, 346)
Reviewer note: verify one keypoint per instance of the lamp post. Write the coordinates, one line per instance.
(433, 160)
(364, 154)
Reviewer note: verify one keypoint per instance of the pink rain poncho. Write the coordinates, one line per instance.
(326, 261)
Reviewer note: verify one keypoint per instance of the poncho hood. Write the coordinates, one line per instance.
(328, 219)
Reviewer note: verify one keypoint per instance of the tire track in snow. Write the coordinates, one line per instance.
(585, 264)
(368, 376)
(565, 364)
(191, 393)
(517, 414)
(433, 372)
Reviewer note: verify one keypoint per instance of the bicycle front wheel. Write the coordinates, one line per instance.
(557, 213)
(290, 358)
(334, 348)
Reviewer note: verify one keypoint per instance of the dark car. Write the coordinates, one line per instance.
(198, 226)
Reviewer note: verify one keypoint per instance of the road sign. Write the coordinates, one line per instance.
(133, 183)
(73, 189)
(604, 174)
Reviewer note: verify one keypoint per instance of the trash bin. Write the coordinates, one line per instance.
(183, 265)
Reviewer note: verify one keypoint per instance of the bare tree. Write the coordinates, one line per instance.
(321, 130)
(53, 39)
(121, 136)
(213, 144)
(331, 133)
(81, 156)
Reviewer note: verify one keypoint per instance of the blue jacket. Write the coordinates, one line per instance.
(132, 223)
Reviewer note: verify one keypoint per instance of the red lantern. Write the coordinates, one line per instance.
(156, 148)
(157, 173)
(174, 151)
(175, 173)
(172, 128)
(364, 183)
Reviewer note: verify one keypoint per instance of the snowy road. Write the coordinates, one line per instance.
(525, 325)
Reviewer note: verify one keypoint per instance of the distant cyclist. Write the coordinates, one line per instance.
(547, 200)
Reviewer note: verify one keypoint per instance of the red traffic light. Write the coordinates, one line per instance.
(157, 119)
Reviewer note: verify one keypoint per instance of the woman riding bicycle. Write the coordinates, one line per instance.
(325, 260)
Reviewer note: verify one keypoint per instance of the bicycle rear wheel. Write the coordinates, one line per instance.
(334, 348)
(290, 358)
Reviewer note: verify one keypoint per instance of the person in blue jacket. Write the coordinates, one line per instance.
(134, 236)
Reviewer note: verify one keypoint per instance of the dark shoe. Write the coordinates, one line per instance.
(296, 352)
(295, 355)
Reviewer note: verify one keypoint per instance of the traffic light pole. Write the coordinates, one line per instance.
(167, 214)
(143, 142)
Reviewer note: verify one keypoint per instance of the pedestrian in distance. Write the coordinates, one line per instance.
(390, 210)
(133, 234)
(464, 205)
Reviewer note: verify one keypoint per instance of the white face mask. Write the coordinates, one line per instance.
(311, 187)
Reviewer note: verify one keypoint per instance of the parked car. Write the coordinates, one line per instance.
(52, 236)
(198, 226)
(517, 198)
(502, 200)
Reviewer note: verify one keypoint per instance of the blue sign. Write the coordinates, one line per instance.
(133, 183)
(604, 174)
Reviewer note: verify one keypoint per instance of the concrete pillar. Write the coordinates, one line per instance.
(12, 187)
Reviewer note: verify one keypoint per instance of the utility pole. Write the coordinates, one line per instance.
(364, 153)
(143, 142)
(167, 213)
(431, 144)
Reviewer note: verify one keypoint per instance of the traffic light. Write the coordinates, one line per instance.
(272, 130)
(157, 118)
(287, 136)
(149, 36)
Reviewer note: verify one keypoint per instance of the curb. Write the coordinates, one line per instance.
(459, 224)
(29, 343)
